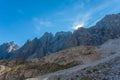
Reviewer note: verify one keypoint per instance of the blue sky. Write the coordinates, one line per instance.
(25, 19)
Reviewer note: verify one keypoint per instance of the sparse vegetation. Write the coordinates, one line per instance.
(41, 69)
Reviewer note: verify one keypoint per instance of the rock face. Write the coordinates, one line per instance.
(45, 45)
(105, 29)
(6, 49)
(112, 46)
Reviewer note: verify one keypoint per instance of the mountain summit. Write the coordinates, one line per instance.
(6, 49)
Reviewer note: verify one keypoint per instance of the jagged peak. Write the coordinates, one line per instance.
(62, 33)
(109, 21)
(9, 47)
(47, 34)
(79, 30)
(12, 43)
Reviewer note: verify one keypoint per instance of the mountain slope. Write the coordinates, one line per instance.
(112, 46)
(20, 69)
(71, 73)
(106, 68)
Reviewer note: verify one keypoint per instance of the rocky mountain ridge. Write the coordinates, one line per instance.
(107, 28)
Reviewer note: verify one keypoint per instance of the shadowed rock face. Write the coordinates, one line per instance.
(105, 29)
(6, 49)
(45, 45)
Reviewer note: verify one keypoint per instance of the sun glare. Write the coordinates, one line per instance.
(78, 26)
